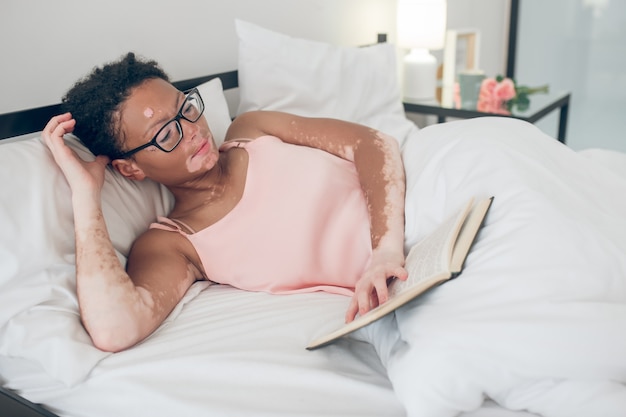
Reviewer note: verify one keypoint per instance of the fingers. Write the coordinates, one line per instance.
(57, 127)
(401, 273)
(55, 121)
(366, 296)
(53, 134)
(380, 295)
(372, 290)
(352, 309)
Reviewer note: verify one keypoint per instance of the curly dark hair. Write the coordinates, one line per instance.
(95, 101)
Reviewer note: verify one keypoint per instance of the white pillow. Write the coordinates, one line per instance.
(278, 72)
(39, 317)
(216, 108)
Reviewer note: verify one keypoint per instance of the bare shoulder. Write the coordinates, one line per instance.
(161, 242)
(157, 239)
(157, 253)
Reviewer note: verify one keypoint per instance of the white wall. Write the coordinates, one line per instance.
(46, 45)
(491, 18)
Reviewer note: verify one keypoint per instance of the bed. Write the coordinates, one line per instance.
(535, 326)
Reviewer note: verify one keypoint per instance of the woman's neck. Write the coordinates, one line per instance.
(213, 195)
(202, 190)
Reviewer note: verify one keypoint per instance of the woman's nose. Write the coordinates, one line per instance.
(190, 129)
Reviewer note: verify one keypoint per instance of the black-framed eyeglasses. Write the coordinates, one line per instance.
(171, 134)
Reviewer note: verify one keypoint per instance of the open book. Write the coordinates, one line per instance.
(435, 259)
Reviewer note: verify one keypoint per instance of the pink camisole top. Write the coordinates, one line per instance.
(301, 225)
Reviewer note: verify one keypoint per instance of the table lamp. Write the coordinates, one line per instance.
(421, 27)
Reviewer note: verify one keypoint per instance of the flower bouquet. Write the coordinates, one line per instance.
(499, 95)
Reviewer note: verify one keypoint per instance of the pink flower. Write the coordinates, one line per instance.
(498, 95)
(489, 101)
(505, 89)
(488, 85)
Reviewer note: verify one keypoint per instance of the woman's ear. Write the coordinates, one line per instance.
(129, 169)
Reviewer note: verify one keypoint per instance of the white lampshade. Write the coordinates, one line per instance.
(421, 27)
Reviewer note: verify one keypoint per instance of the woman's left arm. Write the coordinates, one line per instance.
(378, 162)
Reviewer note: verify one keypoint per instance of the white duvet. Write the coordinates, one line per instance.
(536, 321)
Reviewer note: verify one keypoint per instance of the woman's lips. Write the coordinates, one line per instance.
(203, 149)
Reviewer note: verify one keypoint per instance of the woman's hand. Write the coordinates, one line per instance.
(83, 176)
(371, 289)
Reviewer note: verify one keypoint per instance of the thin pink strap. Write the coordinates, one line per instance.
(236, 143)
(171, 225)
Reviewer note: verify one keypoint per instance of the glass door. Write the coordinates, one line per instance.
(577, 46)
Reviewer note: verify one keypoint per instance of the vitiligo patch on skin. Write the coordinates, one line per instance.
(148, 112)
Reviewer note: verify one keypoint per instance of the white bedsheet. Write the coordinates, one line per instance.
(226, 352)
(232, 353)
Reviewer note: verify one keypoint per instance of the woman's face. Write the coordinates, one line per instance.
(148, 108)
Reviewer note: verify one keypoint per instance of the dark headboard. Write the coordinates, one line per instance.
(33, 120)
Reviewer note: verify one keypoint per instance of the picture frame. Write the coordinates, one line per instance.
(461, 52)
(466, 51)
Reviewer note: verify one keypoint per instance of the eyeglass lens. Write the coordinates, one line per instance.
(170, 135)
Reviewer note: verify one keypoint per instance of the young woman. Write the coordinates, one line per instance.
(287, 204)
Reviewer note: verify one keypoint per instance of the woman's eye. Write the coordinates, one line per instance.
(163, 137)
(191, 110)
(167, 134)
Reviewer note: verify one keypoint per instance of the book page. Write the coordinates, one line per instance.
(431, 256)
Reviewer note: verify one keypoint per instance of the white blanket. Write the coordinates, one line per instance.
(537, 320)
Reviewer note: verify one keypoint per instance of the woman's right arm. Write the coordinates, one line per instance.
(117, 311)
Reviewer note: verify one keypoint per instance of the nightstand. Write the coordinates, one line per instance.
(540, 106)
